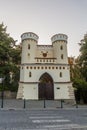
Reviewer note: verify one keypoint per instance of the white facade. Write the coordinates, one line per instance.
(44, 66)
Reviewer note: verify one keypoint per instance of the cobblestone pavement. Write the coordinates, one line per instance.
(45, 119)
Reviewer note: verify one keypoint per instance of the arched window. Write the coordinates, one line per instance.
(28, 46)
(29, 74)
(61, 74)
(62, 56)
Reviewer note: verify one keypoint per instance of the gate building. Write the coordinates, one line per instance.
(44, 69)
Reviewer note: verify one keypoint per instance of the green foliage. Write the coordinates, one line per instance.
(80, 90)
(83, 57)
(75, 72)
(80, 73)
(9, 60)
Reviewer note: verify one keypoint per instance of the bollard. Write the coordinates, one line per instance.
(61, 103)
(2, 100)
(76, 105)
(24, 103)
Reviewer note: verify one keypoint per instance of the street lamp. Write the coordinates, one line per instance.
(2, 94)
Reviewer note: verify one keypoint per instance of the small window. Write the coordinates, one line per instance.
(29, 74)
(60, 67)
(28, 46)
(61, 47)
(58, 88)
(30, 67)
(61, 56)
(56, 67)
(27, 67)
(41, 67)
(63, 67)
(60, 74)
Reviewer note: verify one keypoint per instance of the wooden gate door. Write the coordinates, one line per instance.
(46, 89)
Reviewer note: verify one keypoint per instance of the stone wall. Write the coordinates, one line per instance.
(9, 94)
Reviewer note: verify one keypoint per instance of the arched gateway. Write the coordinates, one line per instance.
(39, 63)
(46, 87)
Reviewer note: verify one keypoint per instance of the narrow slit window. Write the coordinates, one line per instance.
(62, 56)
(61, 47)
(61, 74)
(28, 46)
(29, 74)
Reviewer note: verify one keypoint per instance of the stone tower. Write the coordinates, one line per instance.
(59, 42)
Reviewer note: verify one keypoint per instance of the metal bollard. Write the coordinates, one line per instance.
(61, 103)
(2, 101)
(76, 105)
(24, 103)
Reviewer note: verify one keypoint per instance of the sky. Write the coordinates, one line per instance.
(46, 18)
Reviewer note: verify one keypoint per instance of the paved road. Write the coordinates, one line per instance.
(57, 119)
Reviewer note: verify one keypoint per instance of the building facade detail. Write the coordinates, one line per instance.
(44, 70)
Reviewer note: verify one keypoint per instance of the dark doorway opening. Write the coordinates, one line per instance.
(46, 88)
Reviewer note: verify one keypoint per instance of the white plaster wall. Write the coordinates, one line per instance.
(21, 74)
(58, 52)
(28, 55)
(30, 91)
(61, 91)
(54, 73)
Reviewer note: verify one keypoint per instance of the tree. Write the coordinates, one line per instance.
(83, 57)
(80, 72)
(80, 90)
(5, 44)
(9, 59)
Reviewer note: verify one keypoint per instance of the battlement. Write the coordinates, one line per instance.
(29, 35)
(59, 37)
